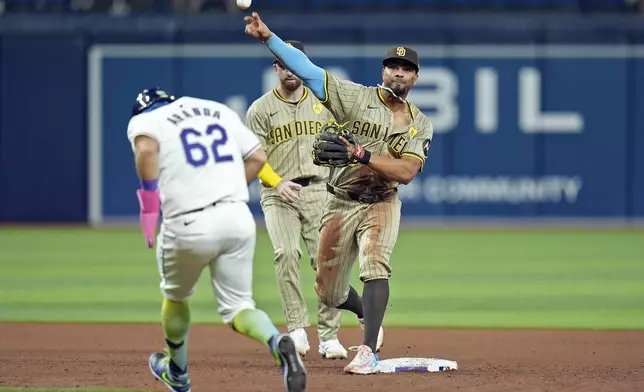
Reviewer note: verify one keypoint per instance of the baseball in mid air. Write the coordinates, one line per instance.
(243, 4)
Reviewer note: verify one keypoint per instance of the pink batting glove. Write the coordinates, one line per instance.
(149, 216)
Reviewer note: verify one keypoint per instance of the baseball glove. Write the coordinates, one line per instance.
(330, 150)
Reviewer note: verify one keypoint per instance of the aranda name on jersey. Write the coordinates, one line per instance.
(177, 118)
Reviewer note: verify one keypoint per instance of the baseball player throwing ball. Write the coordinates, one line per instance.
(381, 140)
(196, 158)
(286, 120)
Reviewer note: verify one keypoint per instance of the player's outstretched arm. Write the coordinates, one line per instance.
(256, 166)
(298, 63)
(254, 163)
(287, 190)
(295, 60)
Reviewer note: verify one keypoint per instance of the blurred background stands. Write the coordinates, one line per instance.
(200, 6)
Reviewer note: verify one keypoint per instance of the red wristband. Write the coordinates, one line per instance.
(358, 151)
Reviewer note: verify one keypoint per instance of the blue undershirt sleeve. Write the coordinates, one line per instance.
(297, 62)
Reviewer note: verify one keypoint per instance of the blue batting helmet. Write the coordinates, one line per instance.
(149, 97)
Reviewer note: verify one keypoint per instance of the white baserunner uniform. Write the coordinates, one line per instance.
(204, 196)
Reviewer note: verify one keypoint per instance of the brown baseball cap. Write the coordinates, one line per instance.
(295, 44)
(402, 53)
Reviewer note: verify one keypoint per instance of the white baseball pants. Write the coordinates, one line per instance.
(221, 237)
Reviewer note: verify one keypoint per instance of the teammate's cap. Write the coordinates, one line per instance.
(295, 44)
(402, 53)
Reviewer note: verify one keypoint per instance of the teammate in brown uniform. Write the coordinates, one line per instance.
(392, 139)
(286, 121)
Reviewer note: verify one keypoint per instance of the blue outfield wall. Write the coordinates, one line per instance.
(534, 117)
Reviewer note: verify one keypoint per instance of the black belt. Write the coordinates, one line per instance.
(304, 181)
(195, 210)
(361, 197)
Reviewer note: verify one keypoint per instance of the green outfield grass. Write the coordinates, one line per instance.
(441, 278)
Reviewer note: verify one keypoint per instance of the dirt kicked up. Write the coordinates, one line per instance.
(84, 355)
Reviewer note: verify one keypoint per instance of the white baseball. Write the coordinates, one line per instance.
(243, 4)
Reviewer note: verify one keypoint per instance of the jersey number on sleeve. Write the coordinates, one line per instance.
(196, 153)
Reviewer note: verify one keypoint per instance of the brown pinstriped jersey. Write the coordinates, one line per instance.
(366, 115)
(287, 131)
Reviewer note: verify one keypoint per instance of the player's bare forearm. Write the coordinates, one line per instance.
(254, 164)
(146, 158)
(399, 170)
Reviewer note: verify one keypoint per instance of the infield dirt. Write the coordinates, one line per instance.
(115, 355)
